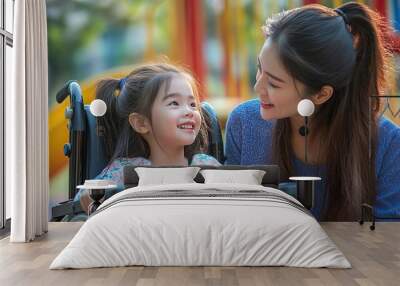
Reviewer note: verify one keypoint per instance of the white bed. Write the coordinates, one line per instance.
(201, 224)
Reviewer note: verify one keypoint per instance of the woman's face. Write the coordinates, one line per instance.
(275, 87)
(176, 118)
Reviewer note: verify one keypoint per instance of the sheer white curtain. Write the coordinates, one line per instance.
(27, 124)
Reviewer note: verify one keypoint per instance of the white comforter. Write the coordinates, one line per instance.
(268, 229)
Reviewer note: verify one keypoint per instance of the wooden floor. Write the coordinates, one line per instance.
(374, 255)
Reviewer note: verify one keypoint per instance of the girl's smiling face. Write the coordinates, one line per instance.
(175, 113)
(279, 93)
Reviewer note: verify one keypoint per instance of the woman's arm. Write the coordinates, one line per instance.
(387, 203)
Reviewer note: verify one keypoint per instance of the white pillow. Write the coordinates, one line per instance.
(248, 177)
(164, 176)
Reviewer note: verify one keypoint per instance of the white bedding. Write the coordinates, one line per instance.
(253, 229)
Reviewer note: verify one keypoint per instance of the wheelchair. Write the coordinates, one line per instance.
(86, 149)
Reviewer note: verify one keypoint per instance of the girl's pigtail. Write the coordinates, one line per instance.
(109, 124)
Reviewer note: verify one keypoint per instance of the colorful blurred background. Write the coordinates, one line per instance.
(217, 39)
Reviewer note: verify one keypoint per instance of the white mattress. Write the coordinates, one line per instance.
(267, 229)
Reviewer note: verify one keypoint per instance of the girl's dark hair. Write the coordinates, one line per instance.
(137, 93)
(318, 48)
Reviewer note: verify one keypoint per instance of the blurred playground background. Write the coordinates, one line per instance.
(217, 39)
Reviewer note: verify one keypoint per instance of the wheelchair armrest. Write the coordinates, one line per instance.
(65, 208)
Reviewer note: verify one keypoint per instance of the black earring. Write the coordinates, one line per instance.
(303, 131)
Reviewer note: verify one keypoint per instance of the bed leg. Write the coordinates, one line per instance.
(365, 207)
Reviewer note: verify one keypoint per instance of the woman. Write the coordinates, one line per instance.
(335, 58)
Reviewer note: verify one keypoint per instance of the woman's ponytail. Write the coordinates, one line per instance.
(367, 27)
(359, 113)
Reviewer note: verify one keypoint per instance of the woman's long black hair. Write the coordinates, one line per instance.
(343, 49)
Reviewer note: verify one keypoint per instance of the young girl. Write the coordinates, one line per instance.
(335, 58)
(153, 118)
